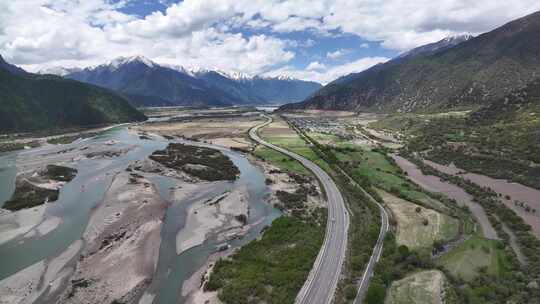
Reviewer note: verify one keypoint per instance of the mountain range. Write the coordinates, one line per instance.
(146, 83)
(468, 72)
(32, 102)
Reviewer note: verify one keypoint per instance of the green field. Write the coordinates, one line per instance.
(384, 174)
(279, 160)
(323, 138)
(474, 256)
(298, 146)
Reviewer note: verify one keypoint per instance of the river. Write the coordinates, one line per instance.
(95, 176)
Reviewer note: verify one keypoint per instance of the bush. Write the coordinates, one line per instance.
(375, 293)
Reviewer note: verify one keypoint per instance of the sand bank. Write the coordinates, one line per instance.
(123, 240)
(212, 217)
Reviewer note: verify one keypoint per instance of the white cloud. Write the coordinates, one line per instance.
(329, 74)
(40, 33)
(338, 53)
(209, 33)
(364, 45)
(404, 24)
(315, 66)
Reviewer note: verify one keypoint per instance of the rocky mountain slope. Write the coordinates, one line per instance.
(467, 75)
(33, 102)
(146, 83)
(521, 105)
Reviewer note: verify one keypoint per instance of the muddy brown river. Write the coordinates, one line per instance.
(435, 184)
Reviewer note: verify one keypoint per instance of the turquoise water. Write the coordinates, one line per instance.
(79, 196)
(174, 269)
(8, 171)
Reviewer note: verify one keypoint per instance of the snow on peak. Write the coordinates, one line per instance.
(459, 38)
(197, 71)
(117, 62)
(237, 75)
(58, 70)
(285, 77)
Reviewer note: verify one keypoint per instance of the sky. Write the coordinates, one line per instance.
(315, 40)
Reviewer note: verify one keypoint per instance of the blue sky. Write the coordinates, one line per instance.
(318, 40)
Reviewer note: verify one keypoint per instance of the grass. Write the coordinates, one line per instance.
(419, 230)
(270, 270)
(324, 138)
(475, 256)
(281, 161)
(293, 142)
(423, 287)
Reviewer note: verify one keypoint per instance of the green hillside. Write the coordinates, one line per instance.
(31, 102)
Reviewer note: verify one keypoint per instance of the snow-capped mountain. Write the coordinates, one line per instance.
(148, 83)
(121, 61)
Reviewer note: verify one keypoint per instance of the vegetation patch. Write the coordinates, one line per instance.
(28, 195)
(474, 257)
(204, 163)
(59, 173)
(375, 166)
(279, 160)
(62, 140)
(271, 269)
(14, 146)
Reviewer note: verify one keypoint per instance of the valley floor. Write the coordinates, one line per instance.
(471, 236)
(455, 233)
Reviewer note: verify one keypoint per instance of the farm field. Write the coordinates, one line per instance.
(425, 287)
(419, 227)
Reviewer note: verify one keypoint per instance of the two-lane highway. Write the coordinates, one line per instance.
(375, 256)
(321, 283)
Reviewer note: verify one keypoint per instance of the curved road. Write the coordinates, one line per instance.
(321, 283)
(375, 256)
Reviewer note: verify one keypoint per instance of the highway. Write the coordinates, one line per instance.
(375, 256)
(321, 283)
